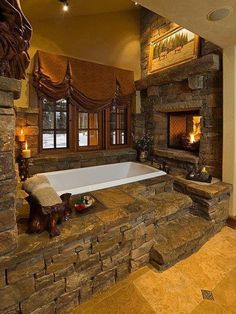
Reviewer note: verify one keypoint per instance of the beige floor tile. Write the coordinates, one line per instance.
(169, 292)
(126, 300)
(225, 291)
(209, 307)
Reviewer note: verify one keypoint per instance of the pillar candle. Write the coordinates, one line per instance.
(26, 153)
(21, 136)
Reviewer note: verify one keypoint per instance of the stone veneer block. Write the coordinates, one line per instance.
(8, 240)
(9, 90)
(11, 86)
(7, 129)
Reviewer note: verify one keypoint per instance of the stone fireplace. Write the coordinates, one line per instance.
(182, 106)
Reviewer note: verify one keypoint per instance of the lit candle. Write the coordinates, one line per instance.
(21, 136)
(26, 153)
(204, 170)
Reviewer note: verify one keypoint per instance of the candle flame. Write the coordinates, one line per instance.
(21, 132)
(26, 145)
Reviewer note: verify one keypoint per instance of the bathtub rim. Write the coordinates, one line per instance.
(104, 185)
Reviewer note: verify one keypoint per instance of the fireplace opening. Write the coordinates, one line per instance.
(184, 130)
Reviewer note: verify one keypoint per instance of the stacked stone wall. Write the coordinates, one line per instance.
(9, 90)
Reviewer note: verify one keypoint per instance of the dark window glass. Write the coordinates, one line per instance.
(54, 124)
(118, 126)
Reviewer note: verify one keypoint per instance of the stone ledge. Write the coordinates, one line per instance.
(23, 110)
(208, 191)
(177, 155)
(81, 155)
(179, 106)
(10, 85)
(54, 162)
(205, 64)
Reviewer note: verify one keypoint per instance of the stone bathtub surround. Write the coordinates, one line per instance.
(191, 86)
(100, 247)
(9, 90)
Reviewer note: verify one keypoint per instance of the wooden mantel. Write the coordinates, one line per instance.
(205, 64)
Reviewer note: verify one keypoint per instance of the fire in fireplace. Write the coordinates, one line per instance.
(184, 130)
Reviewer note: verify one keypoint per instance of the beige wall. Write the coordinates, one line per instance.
(229, 134)
(111, 39)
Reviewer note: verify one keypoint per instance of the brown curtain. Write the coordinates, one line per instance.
(90, 86)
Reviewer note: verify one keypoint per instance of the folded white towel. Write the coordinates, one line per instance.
(39, 187)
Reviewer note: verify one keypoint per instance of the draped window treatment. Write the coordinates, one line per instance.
(90, 86)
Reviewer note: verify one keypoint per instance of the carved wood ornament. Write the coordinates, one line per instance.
(15, 34)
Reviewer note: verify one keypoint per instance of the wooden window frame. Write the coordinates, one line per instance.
(41, 130)
(104, 129)
(99, 129)
(108, 129)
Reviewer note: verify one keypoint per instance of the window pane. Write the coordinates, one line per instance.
(113, 137)
(61, 120)
(93, 121)
(61, 140)
(48, 120)
(113, 109)
(113, 121)
(93, 138)
(48, 106)
(83, 138)
(123, 137)
(123, 121)
(83, 120)
(61, 105)
(48, 140)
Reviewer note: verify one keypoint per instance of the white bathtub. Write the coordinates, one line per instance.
(83, 180)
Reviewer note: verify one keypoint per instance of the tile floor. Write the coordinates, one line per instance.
(178, 289)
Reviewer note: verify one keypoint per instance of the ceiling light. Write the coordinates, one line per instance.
(65, 5)
(219, 14)
(135, 3)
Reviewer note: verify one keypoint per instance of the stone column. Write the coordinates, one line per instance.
(9, 90)
(229, 122)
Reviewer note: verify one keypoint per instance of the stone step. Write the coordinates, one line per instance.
(178, 239)
(170, 205)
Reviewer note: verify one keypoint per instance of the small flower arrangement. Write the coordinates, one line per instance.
(144, 143)
(84, 202)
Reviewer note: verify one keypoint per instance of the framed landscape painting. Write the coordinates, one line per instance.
(174, 47)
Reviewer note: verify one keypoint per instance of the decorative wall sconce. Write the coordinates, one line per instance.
(25, 155)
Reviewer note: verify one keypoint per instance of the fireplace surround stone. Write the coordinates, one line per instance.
(193, 86)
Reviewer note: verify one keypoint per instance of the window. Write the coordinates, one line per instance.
(89, 129)
(118, 126)
(54, 124)
(63, 126)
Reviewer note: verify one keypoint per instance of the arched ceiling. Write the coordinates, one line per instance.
(48, 9)
(192, 14)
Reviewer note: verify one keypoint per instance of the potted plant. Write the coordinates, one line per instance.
(143, 146)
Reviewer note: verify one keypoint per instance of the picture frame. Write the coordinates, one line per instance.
(172, 48)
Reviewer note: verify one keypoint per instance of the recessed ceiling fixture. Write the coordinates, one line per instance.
(219, 14)
(65, 5)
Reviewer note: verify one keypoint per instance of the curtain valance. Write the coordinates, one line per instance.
(90, 86)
